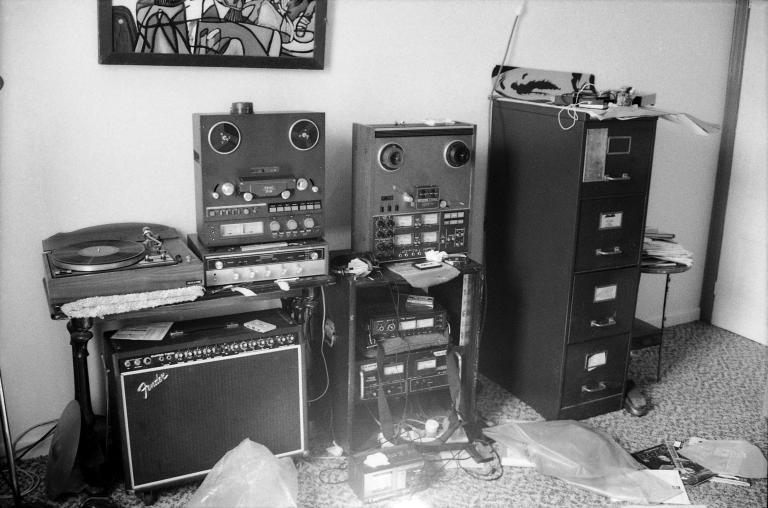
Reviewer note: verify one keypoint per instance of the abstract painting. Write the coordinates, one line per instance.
(222, 33)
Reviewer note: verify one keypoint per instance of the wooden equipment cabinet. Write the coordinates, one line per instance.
(565, 215)
(352, 420)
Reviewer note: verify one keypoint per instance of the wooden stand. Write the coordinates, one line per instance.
(353, 421)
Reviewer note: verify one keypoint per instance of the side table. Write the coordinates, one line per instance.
(644, 334)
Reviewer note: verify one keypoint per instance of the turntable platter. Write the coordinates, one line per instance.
(97, 255)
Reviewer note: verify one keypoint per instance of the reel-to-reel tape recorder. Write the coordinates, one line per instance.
(259, 177)
(412, 188)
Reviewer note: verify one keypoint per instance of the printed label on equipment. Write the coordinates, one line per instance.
(596, 360)
(611, 220)
(604, 293)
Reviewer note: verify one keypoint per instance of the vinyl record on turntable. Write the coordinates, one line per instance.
(98, 255)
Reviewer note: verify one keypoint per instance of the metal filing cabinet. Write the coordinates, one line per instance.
(565, 214)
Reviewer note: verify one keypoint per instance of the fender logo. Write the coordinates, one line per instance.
(146, 388)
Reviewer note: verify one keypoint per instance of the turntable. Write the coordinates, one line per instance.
(116, 259)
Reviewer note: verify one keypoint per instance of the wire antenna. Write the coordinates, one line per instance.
(518, 13)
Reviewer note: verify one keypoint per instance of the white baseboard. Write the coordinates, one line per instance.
(674, 318)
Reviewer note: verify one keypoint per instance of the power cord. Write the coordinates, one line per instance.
(570, 109)
(322, 349)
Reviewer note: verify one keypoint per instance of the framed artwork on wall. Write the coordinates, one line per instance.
(288, 34)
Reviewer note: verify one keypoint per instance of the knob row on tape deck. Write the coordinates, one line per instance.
(298, 220)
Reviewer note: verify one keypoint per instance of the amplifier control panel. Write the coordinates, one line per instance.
(207, 339)
(242, 344)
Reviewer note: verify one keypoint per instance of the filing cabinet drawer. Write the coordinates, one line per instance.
(595, 369)
(602, 304)
(610, 232)
(617, 157)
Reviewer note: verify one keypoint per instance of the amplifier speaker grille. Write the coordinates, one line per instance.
(197, 411)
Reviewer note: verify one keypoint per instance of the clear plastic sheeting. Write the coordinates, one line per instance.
(249, 476)
(585, 457)
(736, 458)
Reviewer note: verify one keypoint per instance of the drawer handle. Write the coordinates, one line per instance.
(616, 251)
(623, 178)
(609, 321)
(600, 387)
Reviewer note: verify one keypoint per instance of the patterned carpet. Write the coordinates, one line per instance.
(713, 385)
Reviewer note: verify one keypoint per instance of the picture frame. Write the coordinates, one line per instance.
(213, 33)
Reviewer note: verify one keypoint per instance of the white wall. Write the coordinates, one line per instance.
(741, 291)
(84, 144)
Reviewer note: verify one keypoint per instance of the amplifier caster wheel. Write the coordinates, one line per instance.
(148, 497)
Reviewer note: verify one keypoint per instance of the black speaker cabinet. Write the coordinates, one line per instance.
(184, 402)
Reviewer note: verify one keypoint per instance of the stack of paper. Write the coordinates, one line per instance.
(666, 251)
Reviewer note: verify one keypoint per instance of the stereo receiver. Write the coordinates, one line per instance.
(259, 177)
(260, 262)
(412, 188)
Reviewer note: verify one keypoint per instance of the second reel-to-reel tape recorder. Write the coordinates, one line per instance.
(412, 188)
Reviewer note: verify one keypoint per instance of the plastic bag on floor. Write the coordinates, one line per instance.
(585, 457)
(249, 475)
(737, 458)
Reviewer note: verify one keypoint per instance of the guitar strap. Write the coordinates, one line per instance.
(385, 416)
(453, 373)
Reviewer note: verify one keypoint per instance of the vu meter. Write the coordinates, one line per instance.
(259, 177)
(412, 188)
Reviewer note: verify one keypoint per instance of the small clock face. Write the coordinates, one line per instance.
(304, 134)
(224, 138)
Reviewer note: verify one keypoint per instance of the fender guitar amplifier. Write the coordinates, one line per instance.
(184, 402)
